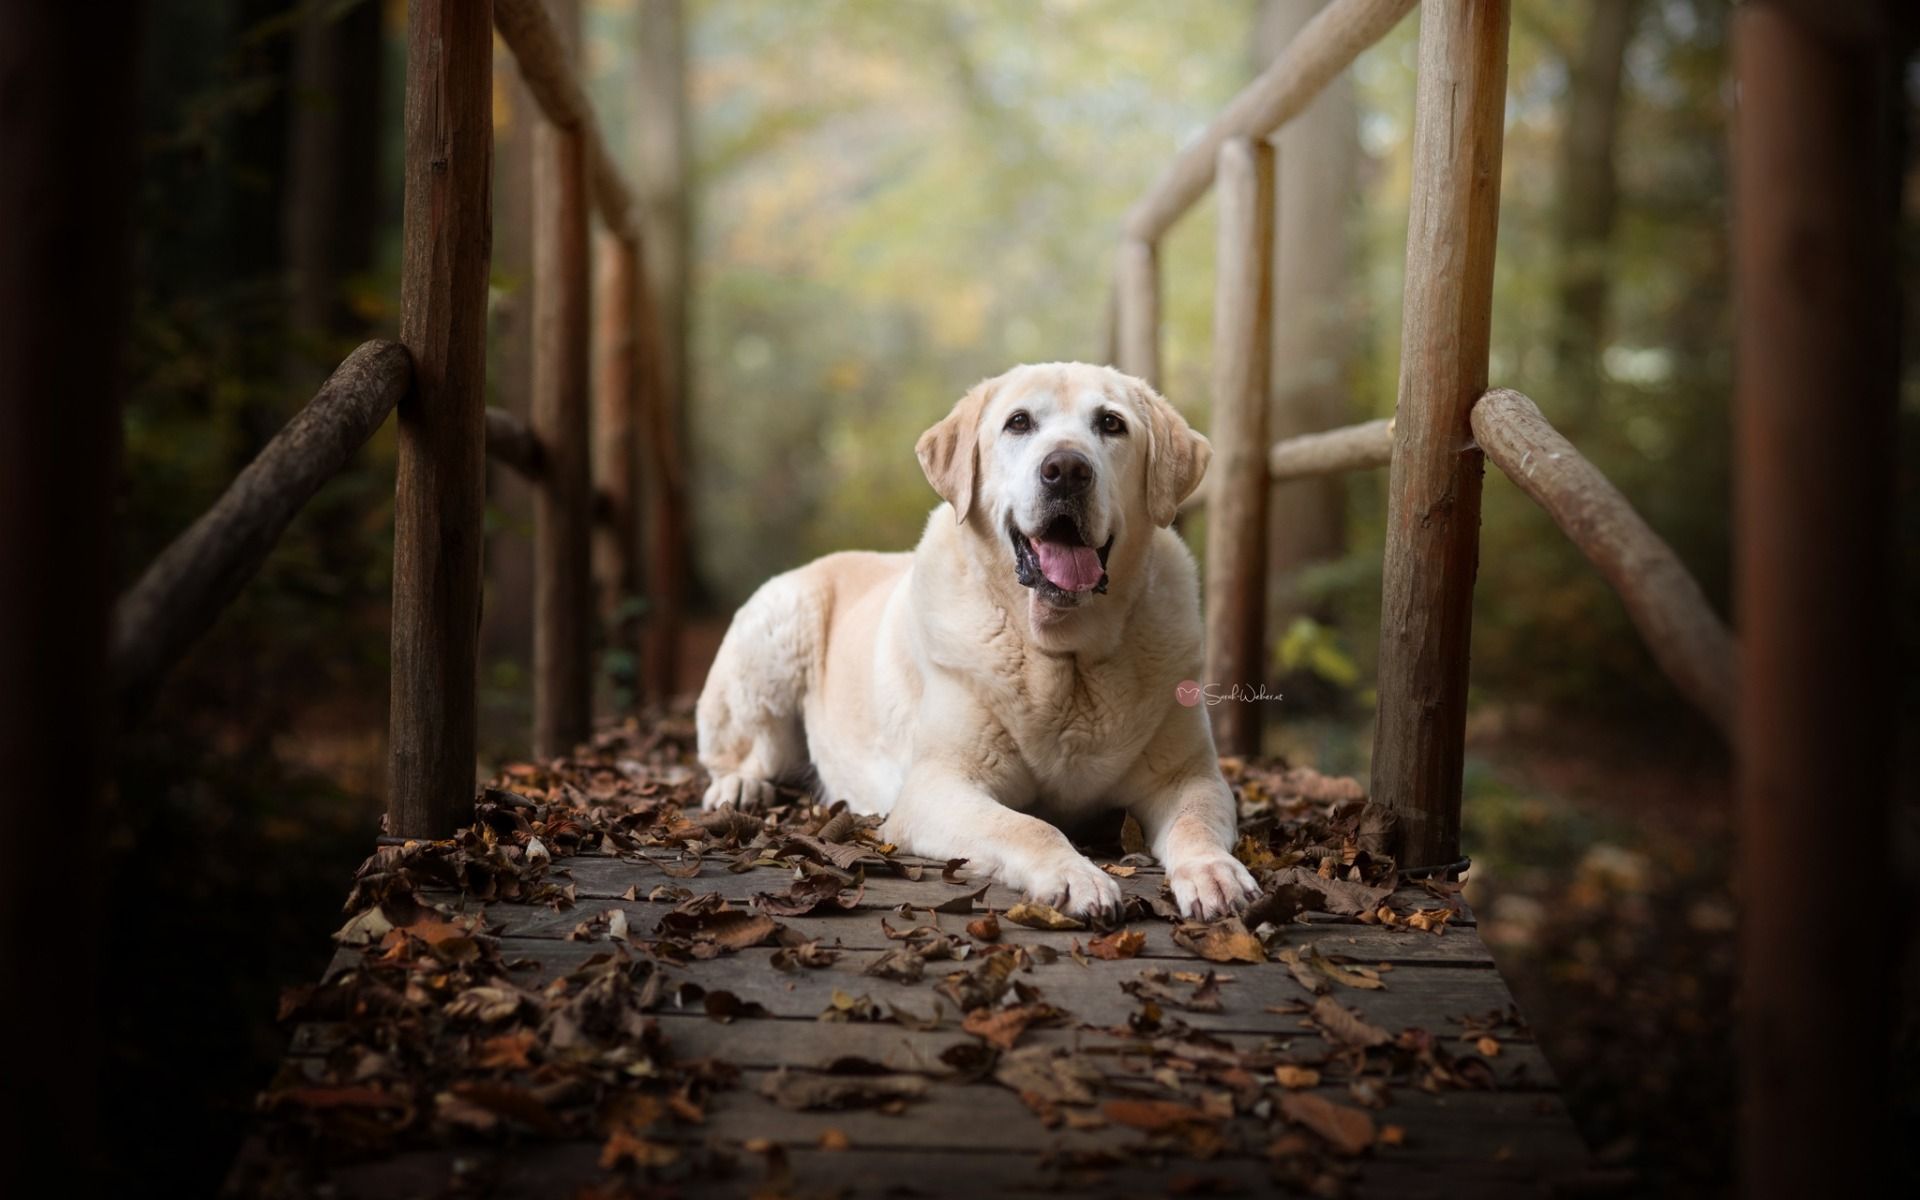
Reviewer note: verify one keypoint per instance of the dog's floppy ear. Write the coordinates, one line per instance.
(1177, 457)
(949, 453)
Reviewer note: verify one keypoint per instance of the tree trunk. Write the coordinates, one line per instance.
(68, 152)
(1312, 324)
(1589, 195)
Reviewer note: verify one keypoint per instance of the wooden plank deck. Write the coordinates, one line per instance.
(518, 1020)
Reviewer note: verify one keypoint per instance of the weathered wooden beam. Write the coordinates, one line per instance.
(1327, 46)
(1691, 644)
(1136, 301)
(1816, 286)
(1433, 505)
(1237, 519)
(547, 66)
(181, 594)
(68, 135)
(1335, 452)
(563, 503)
(664, 484)
(1355, 448)
(512, 442)
(616, 451)
(440, 488)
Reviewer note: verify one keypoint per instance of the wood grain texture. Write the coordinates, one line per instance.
(439, 491)
(185, 589)
(512, 442)
(1136, 301)
(1688, 640)
(1816, 285)
(563, 604)
(1325, 47)
(1433, 505)
(616, 453)
(540, 47)
(1236, 590)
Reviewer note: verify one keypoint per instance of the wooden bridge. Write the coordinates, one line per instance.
(576, 984)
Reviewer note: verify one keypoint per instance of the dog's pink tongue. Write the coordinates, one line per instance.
(1069, 568)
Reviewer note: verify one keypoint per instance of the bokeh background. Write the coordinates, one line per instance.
(884, 201)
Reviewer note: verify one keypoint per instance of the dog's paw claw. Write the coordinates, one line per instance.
(1078, 889)
(747, 795)
(1207, 889)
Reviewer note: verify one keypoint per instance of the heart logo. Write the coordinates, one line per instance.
(1187, 692)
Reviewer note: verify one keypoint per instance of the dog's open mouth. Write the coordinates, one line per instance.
(1058, 563)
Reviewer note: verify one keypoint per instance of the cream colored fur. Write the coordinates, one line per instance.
(933, 688)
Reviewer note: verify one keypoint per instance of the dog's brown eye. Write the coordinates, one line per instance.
(1019, 423)
(1111, 423)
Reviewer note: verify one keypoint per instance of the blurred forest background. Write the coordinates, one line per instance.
(881, 202)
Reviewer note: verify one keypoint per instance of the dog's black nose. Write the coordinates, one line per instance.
(1066, 472)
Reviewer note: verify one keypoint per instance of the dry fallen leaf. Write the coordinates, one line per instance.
(1343, 1025)
(987, 928)
(1348, 1130)
(1035, 915)
(1292, 1077)
(1153, 1116)
(1488, 1046)
(1121, 943)
(1222, 941)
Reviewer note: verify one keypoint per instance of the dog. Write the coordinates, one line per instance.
(1017, 671)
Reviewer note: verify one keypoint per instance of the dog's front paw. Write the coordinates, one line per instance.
(745, 794)
(1211, 887)
(1077, 888)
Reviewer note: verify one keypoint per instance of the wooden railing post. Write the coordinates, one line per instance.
(563, 502)
(1237, 514)
(1137, 310)
(666, 505)
(1816, 284)
(439, 492)
(616, 462)
(1433, 505)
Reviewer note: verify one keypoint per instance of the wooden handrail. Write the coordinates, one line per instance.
(1327, 45)
(510, 441)
(178, 597)
(1351, 448)
(528, 31)
(1354, 448)
(1691, 644)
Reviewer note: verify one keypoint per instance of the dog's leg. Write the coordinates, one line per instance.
(944, 813)
(751, 734)
(1188, 819)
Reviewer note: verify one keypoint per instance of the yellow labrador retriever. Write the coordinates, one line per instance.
(1015, 672)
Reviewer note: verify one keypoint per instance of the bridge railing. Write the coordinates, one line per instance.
(1448, 421)
(588, 491)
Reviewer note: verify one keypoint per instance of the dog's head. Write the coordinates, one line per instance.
(1065, 466)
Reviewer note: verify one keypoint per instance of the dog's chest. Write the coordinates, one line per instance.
(1079, 730)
